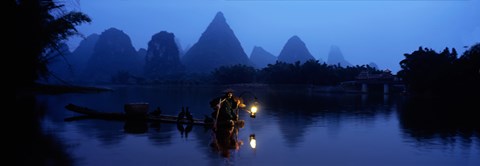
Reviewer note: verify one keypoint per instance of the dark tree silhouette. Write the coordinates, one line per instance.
(311, 72)
(468, 70)
(234, 74)
(428, 72)
(40, 26)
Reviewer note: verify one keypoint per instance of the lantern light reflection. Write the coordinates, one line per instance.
(253, 142)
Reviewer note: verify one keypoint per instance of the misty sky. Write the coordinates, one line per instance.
(379, 31)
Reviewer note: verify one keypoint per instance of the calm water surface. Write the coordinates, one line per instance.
(294, 126)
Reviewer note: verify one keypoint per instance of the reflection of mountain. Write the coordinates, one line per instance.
(297, 111)
(429, 121)
(108, 133)
(291, 121)
(160, 134)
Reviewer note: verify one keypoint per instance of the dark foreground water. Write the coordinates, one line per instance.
(294, 126)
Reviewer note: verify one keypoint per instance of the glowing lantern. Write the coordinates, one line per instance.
(253, 142)
(253, 110)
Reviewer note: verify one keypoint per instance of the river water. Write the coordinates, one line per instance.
(294, 126)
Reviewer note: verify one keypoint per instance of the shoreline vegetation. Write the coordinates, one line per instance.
(45, 88)
(425, 72)
(52, 89)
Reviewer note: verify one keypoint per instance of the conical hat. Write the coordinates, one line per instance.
(229, 90)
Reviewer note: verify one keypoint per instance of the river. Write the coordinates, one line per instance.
(294, 126)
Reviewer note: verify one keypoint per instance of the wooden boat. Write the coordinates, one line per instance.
(136, 109)
(91, 113)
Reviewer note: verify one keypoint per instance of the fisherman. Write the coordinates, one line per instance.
(189, 116)
(156, 112)
(181, 115)
(224, 108)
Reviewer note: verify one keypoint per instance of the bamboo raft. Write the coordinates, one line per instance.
(91, 113)
(94, 114)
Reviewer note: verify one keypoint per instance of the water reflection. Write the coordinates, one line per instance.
(161, 137)
(108, 133)
(225, 139)
(31, 144)
(329, 129)
(135, 126)
(184, 129)
(252, 141)
(427, 122)
(296, 111)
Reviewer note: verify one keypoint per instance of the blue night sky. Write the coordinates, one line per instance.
(379, 31)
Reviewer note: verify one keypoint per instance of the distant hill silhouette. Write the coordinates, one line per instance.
(113, 53)
(335, 57)
(261, 58)
(142, 54)
(162, 56)
(374, 65)
(181, 50)
(295, 50)
(72, 64)
(61, 66)
(218, 46)
(83, 53)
